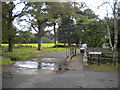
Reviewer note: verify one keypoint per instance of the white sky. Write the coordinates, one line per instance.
(92, 4)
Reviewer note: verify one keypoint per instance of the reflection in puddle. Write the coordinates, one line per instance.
(27, 64)
(26, 67)
(33, 66)
(46, 65)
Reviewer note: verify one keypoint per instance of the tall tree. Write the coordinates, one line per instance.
(56, 10)
(38, 16)
(91, 30)
(59, 10)
(118, 26)
(115, 24)
(114, 11)
(68, 19)
(8, 17)
(65, 30)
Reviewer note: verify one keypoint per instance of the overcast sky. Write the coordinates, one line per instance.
(92, 4)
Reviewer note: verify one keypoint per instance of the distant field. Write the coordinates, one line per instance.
(35, 44)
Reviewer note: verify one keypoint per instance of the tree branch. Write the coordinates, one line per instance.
(34, 27)
(105, 3)
(20, 13)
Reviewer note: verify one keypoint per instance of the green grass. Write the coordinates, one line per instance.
(95, 67)
(5, 61)
(23, 54)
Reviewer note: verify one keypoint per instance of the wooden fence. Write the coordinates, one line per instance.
(103, 58)
(70, 51)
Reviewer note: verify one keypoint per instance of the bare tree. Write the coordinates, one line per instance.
(114, 10)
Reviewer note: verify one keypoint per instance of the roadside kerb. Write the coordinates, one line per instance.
(69, 58)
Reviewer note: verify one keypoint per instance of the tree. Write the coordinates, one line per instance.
(114, 9)
(118, 45)
(8, 17)
(23, 36)
(66, 30)
(58, 10)
(38, 16)
(91, 31)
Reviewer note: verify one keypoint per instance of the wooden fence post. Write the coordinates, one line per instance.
(90, 59)
(75, 51)
(99, 59)
(114, 56)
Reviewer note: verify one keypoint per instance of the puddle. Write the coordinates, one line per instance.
(26, 64)
(33, 67)
(48, 66)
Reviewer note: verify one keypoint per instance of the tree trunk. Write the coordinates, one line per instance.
(69, 42)
(39, 43)
(115, 27)
(118, 45)
(80, 42)
(39, 37)
(10, 45)
(55, 35)
(109, 37)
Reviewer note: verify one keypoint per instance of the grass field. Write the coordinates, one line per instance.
(35, 44)
(5, 61)
(23, 54)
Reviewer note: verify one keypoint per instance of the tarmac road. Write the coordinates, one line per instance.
(66, 79)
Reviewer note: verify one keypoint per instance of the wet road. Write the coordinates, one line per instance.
(68, 79)
(37, 78)
(61, 56)
(21, 71)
